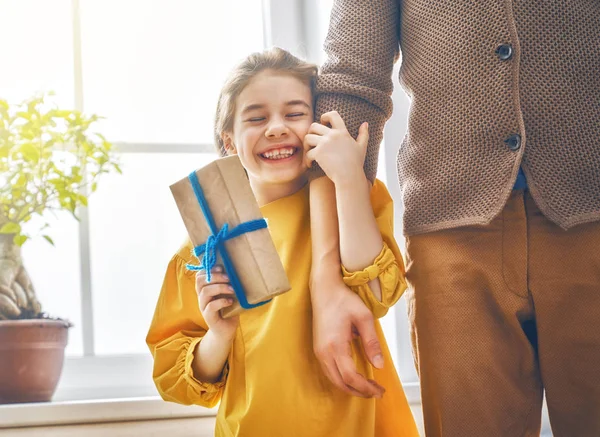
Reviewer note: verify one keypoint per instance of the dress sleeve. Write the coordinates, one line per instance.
(356, 79)
(391, 280)
(176, 330)
(388, 267)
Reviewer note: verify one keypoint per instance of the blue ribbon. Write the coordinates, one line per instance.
(215, 242)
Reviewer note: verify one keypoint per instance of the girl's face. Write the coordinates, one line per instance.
(273, 114)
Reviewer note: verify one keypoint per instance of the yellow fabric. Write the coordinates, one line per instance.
(273, 384)
(391, 279)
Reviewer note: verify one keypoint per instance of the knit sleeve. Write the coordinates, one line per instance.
(356, 79)
(176, 330)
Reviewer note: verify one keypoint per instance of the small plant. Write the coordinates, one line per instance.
(50, 161)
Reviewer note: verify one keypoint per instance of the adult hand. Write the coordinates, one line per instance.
(338, 316)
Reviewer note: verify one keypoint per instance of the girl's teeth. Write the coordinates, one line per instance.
(278, 154)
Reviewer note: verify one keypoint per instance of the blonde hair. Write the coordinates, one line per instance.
(275, 59)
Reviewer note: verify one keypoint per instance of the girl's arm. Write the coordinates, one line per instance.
(361, 229)
(341, 158)
(176, 331)
(380, 283)
(360, 237)
(210, 357)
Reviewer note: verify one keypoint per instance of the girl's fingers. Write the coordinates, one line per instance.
(334, 119)
(311, 140)
(216, 278)
(309, 157)
(214, 306)
(210, 292)
(319, 129)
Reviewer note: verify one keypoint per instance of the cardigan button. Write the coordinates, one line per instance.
(504, 52)
(513, 142)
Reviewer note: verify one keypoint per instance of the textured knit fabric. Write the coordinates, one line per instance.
(273, 384)
(499, 312)
(460, 157)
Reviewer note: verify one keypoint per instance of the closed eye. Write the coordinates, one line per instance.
(255, 119)
(296, 114)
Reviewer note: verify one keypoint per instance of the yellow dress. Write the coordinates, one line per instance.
(272, 384)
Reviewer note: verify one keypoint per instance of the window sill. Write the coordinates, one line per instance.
(69, 412)
(95, 411)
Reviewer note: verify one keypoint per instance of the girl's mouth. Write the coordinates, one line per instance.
(280, 154)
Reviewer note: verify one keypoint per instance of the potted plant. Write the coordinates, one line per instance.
(50, 161)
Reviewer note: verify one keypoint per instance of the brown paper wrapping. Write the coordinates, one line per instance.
(230, 199)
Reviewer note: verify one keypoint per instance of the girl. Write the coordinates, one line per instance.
(261, 365)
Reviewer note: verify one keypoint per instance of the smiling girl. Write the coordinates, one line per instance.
(260, 365)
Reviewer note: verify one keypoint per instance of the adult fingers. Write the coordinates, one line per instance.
(370, 342)
(334, 376)
(347, 368)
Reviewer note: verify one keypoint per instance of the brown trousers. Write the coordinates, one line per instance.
(500, 313)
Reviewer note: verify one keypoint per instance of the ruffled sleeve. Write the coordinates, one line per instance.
(175, 332)
(391, 280)
(388, 267)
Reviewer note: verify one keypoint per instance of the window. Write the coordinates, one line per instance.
(153, 69)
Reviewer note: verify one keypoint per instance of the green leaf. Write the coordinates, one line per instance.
(4, 150)
(48, 239)
(20, 239)
(82, 199)
(10, 228)
(46, 150)
(60, 113)
(30, 152)
(25, 115)
(21, 181)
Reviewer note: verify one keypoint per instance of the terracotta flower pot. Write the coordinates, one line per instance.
(31, 359)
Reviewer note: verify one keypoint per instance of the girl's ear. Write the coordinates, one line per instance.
(228, 143)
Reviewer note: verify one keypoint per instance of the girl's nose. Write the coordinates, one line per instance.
(276, 129)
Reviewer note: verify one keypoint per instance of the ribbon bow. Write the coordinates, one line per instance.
(208, 250)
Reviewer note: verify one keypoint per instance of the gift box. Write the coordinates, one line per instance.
(226, 227)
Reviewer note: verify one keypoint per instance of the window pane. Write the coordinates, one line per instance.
(55, 273)
(154, 69)
(135, 230)
(37, 45)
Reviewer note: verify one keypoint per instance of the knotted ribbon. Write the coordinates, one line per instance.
(215, 243)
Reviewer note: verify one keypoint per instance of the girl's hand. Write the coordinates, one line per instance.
(214, 296)
(340, 156)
